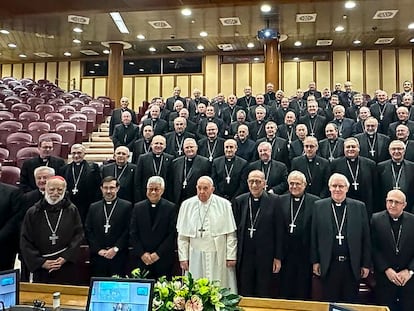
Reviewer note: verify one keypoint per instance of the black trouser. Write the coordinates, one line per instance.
(295, 279)
(397, 298)
(100, 266)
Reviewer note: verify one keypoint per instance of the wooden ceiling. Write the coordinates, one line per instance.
(42, 26)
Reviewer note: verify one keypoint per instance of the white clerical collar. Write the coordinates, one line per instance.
(296, 199)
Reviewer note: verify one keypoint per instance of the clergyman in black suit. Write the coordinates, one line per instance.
(116, 115)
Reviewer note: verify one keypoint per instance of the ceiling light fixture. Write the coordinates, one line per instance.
(152, 49)
(298, 43)
(412, 40)
(92, 71)
(200, 47)
(265, 8)
(4, 31)
(131, 63)
(77, 41)
(77, 30)
(339, 28)
(256, 59)
(67, 54)
(356, 41)
(141, 69)
(22, 55)
(203, 34)
(106, 51)
(141, 37)
(96, 65)
(296, 58)
(250, 45)
(12, 45)
(350, 4)
(186, 12)
(119, 22)
(411, 26)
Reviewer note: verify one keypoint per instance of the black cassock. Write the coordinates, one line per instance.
(125, 175)
(100, 236)
(38, 243)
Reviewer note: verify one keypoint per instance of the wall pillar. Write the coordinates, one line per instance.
(115, 71)
(271, 51)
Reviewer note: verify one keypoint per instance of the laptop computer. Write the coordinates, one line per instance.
(9, 287)
(335, 307)
(113, 294)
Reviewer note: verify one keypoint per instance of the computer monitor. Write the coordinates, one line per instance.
(113, 294)
(9, 287)
(335, 307)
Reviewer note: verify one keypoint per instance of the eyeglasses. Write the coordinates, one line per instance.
(338, 186)
(254, 181)
(392, 202)
(309, 146)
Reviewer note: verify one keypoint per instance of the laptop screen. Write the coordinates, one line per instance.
(9, 287)
(112, 294)
(334, 307)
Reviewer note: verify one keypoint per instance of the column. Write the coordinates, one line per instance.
(115, 71)
(271, 51)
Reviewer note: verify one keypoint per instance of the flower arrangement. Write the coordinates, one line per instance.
(185, 293)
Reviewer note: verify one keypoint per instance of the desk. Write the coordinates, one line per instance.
(75, 297)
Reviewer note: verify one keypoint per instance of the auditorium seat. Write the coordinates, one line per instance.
(67, 110)
(35, 101)
(10, 175)
(27, 117)
(54, 118)
(18, 89)
(99, 106)
(26, 81)
(75, 93)
(9, 101)
(38, 89)
(47, 96)
(13, 84)
(81, 122)
(25, 95)
(42, 81)
(67, 97)
(6, 115)
(26, 153)
(43, 109)
(7, 128)
(57, 143)
(37, 128)
(85, 98)
(77, 103)
(4, 154)
(108, 104)
(17, 141)
(90, 113)
(69, 133)
(56, 103)
(18, 108)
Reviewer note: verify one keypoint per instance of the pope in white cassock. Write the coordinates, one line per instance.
(207, 241)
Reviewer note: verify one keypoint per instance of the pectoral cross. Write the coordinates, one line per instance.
(251, 231)
(180, 152)
(228, 179)
(292, 226)
(201, 230)
(53, 238)
(210, 158)
(107, 226)
(75, 191)
(184, 183)
(340, 237)
(355, 184)
(396, 187)
(372, 152)
(331, 158)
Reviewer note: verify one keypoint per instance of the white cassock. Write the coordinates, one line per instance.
(207, 239)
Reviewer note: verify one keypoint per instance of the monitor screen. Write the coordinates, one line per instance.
(9, 287)
(334, 307)
(112, 294)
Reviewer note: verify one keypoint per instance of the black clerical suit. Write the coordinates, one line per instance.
(385, 114)
(152, 230)
(201, 131)
(345, 127)
(184, 175)
(279, 149)
(287, 132)
(101, 236)
(409, 150)
(317, 172)
(228, 175)
(211, 149)
(116, 118)
(27, 180)
(393, 128)
(315, 124)
(10, 206)
(331, 149)
(275, 174)
(346, 98)
(141, 146)
(159, 125)
(296, 149)
(260, 241)
(125, 175)
(125, 135)
(363, 179)
(257, 129)
(390, 177)
(296, 272)
(175, 142)
(340, 264)
(230, 114)
(315, 93)
(246, 149)
(149, 165)
(169, 103)
(246, 102)
(379, 143)
(387, 236)
(83, 181)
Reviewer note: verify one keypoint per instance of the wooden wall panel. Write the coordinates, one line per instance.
(356, 70)
(29, 70)
(40, 71)
(323, 74)
(197, 82)
(100, 87)
(153, 87)
(290, 78)
(63, 76)
(6, 70)
(258, 77)
(372, 70)
(87, 86)
(242, 79)
(339, 62)
(140, 91)
(183, 82)
(211, 75)
(51, 71)
(167, 86)
(227, 79)
(74, 75)
(306, 74)
(127, 89)
(389, 71)
(405, 67)
(17, 71)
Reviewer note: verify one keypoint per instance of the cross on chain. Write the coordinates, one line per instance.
(53, 238)
(340, 237)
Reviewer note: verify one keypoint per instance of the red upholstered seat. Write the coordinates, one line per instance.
(75, 93)
(7, 128)
(68, 131)
(67, 97)
(9, 101)
(54, 118)
(10, 175)
(85, 98)
(27, 117)
(4, 154)
(77, 103)
(99, 106)
(17, 141)
(67, 111)
(56, 103)
(26, 153)
(6, 115)
(36, 129)
(43, 109)
(90, 113)
(18, 108)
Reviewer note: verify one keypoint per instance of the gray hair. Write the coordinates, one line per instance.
(156, 180)
(39, 169)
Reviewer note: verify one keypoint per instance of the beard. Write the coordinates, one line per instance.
(52, 201)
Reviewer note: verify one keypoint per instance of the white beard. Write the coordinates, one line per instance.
(50, 200)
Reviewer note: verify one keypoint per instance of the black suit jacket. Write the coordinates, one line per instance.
(257, 129)
(246, 102)
(172, 146)
(346, 98)
(127, 186)
(326, 148)
(277, 177)
(315, 93)
(125, 136)
(389, 116)
(116, 118)
(169, 103)
(279, 149)
(140, 147)
(296, 149)
(201, 131)
(357, 235)
(204, 151)
(318, 125)
(393, 128)
(160, 126)
(409, 150)
(381, 147)
(345, 127)
(27, 181)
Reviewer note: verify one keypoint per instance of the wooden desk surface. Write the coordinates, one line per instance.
(76, 297)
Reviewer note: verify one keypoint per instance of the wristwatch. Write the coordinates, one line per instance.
(116, 249)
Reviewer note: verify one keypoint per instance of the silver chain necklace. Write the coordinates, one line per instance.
(53, 237)
(76, 180)
(108, 218)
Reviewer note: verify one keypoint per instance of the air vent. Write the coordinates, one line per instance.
(230, 21)
(78, 19)
(384, 40)
(225, 47)
(324, 42)
(89, 52)
(306, 18)
(159, 24)
(44, 36)
(43, 54)
(175, 48)
(385, 14)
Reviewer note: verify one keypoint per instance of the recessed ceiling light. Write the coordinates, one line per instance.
(141, 37)
(265, 8)
(186, 12)
(350, 4)
(96, 65)
(141, 69)
(356, 41)
(200, 47)
(298, 43)
(4, 31)
(203, 34)
(250, 45)
(106, 51)
(152, 49)
(22, 55)
(11, 45)
(411, 26)
(67, 54)
(91, 71)
(131, 63)
(77, 29)
(412, 40)
(119, 22)
(256, 59)
(76, 41)
(339, 28)
(296, 58)
(171, 62)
